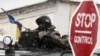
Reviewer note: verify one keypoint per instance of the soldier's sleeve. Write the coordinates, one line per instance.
(57, 39)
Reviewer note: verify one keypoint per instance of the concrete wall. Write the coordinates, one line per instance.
(61, 17)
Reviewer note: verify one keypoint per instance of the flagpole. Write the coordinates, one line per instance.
(4, 11)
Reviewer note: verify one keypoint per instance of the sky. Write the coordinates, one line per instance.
(12, 4)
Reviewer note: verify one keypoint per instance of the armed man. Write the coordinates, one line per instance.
(49, 37)
(44, 36)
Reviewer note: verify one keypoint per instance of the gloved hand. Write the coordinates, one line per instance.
(42, 34)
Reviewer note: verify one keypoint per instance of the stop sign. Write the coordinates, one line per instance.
(83, 30)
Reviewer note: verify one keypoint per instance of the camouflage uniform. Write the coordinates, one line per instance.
(49, 37)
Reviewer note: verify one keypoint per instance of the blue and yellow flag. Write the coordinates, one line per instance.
(19, 25)
(18, 28)
(12, 21)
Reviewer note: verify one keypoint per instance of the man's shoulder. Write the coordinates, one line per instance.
(52, 27)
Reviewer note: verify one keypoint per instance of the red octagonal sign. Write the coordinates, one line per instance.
(83, 31)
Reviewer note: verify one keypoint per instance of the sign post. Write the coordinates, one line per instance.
(83, 29)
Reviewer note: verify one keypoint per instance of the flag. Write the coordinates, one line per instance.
(18, 29)
(12, 20)
(19, 25)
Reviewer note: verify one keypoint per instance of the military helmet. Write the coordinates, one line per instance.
(43, 20)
